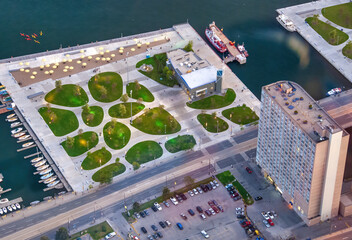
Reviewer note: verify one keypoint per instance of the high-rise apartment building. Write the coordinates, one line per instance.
(301, 150)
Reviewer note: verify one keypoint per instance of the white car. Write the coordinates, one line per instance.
(199, 190)
(191, 193)
(203, 216)
(157, 205)
(266, 223)
(239, 211)
(195, 191)
(174, 201)
(265, 215)
(212, 185)
(270, 214)
(204, 233)
(110, 235)
(216, 183)
(212, 211)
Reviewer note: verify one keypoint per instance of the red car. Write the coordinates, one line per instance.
(271, 222)
(211, 203)
(245, 224)
(248, 170)
(215, 209)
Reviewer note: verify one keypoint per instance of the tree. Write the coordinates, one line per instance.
(165, 70)
(136, 206)
(213, 115)
(77, 90)
(80, 131)
(188, 180)
(52, 117)
(166, 193)
(113, 122)
(58, 84)
(44, 238)
(122, 109)
(136, 165)
(93, 138)
(161, 106)
(69, 142)
(105, 177)
(102, 90)
(189, 46)
(139, 100)
(137, 86)
(62, 234)
(124, 98)
(90, 117)
(315, 20)
(86, 108)
(48, 106)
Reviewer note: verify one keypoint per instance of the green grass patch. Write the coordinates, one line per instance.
(94, 117)
(139, 91)
(106, 87)
(123, 110)
(247, 198)
(116, 134)
(211, 123)
(347, 50)
(144, 152)
(339, 14)
(110, 171)
(158, 62)
(180, 143)
(241, 115)
(330, 34)
(68, 95)
(225, 177)
(156, 121)
(96, 232)
(96, 159)
(82, 143)
(214, 101)
(60, 121)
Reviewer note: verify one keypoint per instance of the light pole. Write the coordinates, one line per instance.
(131, 106)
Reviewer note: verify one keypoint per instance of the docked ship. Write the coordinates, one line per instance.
(242, 49)
(215, 40)
(286, 23)
(334, 91)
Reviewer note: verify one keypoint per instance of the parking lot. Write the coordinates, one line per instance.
(222, 225)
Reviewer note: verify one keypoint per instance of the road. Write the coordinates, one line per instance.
(137, 186)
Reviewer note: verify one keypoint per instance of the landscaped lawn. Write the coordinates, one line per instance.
(144, 152)
(94, 117)
(110, 171)
(116, 134)
(339, 14)
(123, 110)
(156, 121)
(82, 143)
(106, 86)
(96, 159)
(247, 198)
(241, 115)
(158, 62)
(97, 232)
(60, 121)
(332, 35)
(214, 101)
(139, 91)
(225, 177)
(347, 50)
(211, 123)
(68, 95)
(180, 143)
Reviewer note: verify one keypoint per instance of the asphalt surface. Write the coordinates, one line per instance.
(230, 161)
(245, 137)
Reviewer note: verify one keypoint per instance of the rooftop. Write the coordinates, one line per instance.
(200, 77)
(303, 109)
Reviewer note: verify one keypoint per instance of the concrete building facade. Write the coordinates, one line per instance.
(195, 75)
(301, 150)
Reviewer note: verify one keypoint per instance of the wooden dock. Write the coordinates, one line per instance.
(32, 155)
(17, 200)
(30, 138)
(5, 191)
(24, 131)
(17, 125)
(22, 149)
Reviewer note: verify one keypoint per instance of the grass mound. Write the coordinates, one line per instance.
(241, 115)
(80, 144)
(96, 159)
(106, 86)
(212, 123)
(144, 152)
(156, 121)
(180, 143)
(214, 101)
(339, 14)
(93, 117)
(116, 134)
(109, 172)
(68, 95)
(139, 91)
(123, 110)
(60, 121)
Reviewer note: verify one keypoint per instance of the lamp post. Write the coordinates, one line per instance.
(131, 106)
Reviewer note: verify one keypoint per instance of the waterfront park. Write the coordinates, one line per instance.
(130, 108)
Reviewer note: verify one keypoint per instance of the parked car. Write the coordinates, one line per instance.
(154, 228)
(204, 233)
(142, 214)
(207, 212)
(157, 205)
(183, 216)
(144, 230)
(270, 214)
(190, 192)
(179, 198)
(202, 216)
(190, 211)
(110, 235)
(258, 198)
(209, 187)
(239, 210)
(137, 215)
(150, 237)
(168, 223)
(162, 224)
(183, 196)
(271, 222)
(199, 190)
(155, 236)
(212, 211)
(195, 191)
(216, 183)
(265, 215)
(266, 223)
(213, 186)
(210, 203)
(155, 209)
(160, 235)
(220, 208)
(174, 201)
(166, 204)
(199, 209)
(204, 188)
(215, 209)
(237, 198)
(179, 225)
(240, 216)
(249, 170)
(215, 203)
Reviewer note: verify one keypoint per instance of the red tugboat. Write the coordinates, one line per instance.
(215, 40)
(242, 49)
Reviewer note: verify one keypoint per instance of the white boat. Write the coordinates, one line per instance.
(12, 119)
(1, 212)
(286, 23)
(10, 116)
(38, 164)
(16, 130)
(9, 208)
(17, 135)
(18, 205)
(4, 210)
(27, 144)
(42, 167)
(4, 200)
(49, 180)
(46, 176)
(13, 206)
(334, 91)
(24, 137)
(46, 171)
(37, 159)
(34, 203)
(53, 183)
(15, 124)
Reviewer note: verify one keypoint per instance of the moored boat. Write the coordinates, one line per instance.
(49, 180)
(334, 91)
(13, 207)
(27, 144)
(10, 116)
(12, 119)
(18, 205)
(4, 210)
(53, 183)
(215, 40)
(286, 23)
(37, 159)
(16, 130)
(4, 200)
(1, 212)
(38, 164)
(9, 208)
(24, 137)
(34, 203)
(15, 124)
(46, 176)
(17, 135)
(242, 49)
(46, 171)
(42, 167)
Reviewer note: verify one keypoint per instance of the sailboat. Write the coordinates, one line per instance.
(42, 167)
(38, 164)
(46, 176)
(16, 130)
(37, 159)
(27, 144)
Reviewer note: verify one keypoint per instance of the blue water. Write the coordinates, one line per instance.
(275, 54)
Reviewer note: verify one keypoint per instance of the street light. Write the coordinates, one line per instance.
(131, 103)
